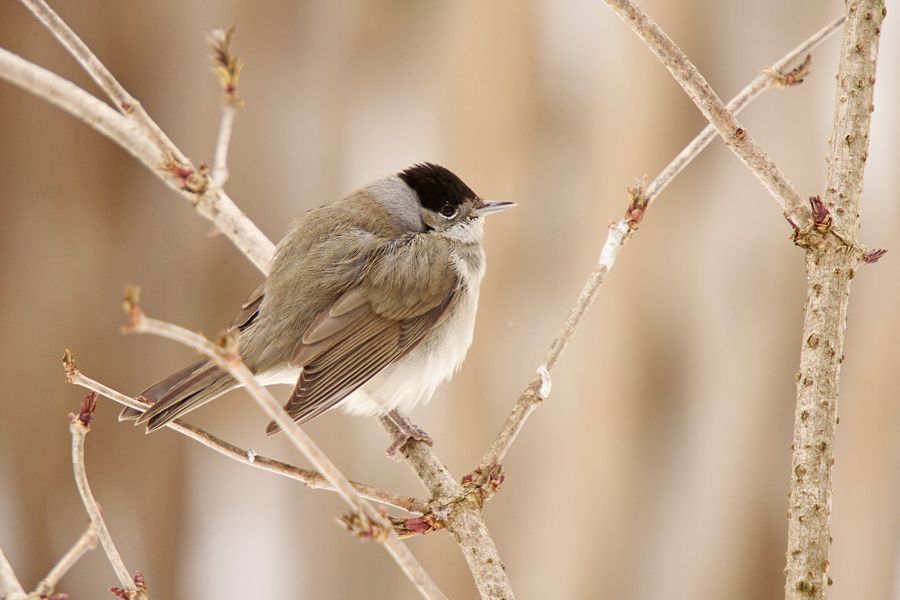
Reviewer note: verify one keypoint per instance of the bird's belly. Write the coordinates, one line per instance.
(413, 379)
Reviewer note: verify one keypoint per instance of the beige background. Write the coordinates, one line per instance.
(659, 466)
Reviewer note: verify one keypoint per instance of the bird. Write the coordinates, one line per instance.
(369, 305)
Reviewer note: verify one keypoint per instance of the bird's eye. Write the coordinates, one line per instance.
(448, 211)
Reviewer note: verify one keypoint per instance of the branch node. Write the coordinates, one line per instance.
(819, 223)
(228, 345)
(138, 593)
(485, 487)
(194, 181)
(821, 218)
(131, 304)
(791, 78)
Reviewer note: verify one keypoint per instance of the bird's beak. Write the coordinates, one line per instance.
(489, 207)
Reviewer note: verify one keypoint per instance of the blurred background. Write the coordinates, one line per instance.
(658, 467)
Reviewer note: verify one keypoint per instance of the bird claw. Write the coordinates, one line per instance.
(407, 432)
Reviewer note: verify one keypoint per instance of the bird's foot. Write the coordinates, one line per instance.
(406, 432)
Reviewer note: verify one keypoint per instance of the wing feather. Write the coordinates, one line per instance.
(337, 365)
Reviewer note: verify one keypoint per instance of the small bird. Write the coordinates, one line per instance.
(370, 305)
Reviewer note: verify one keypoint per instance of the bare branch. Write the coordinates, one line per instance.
(832, 256)
(80, 104)
(768, 78)
(733, 133)
(619, 233)
(193, 184)
(123, 101)
(458, 507)
(228, 69)
(312, 479)
(371, 524)
(85, 543)
(10, 587)
(80, 425)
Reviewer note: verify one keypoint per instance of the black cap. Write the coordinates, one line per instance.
(436, 186)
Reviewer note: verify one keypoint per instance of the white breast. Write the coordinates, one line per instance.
(414, 378)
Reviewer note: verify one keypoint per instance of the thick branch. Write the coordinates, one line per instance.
(832, 255)
(764, 81)
(733, 133)
(80, 104)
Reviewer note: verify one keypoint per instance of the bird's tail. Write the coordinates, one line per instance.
(180, 393)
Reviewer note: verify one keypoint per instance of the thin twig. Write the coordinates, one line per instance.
(733, 133)
(617, 234)
(79, 427)
(85, 543)
(539, 385)
(366, 521)
(832, 255)
(312, 479)
(220, 162)
(10, 587)
(228, 69)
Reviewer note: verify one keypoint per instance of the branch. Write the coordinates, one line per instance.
(79, 426)
(641, 196)
(366, 521)
(733, 133)
(312, 479)
(85, 543)
(766, 80)
(64, 94)
(161, 157)
(832, 255)
(10, 588)
(123, 101)
(458, 507)
(228, 69)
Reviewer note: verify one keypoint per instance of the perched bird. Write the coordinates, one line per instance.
(369, 305)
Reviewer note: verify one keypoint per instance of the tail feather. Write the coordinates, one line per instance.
(180, 393)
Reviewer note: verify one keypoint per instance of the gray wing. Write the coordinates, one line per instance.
(249, 310)
(370, 326)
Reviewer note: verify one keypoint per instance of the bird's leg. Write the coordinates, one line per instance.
(407, 431)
